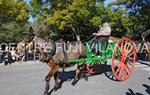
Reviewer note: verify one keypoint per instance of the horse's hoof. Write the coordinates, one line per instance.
(85, 77)
(74, 82)
(76, 79)
(45, 93)
(56, 87)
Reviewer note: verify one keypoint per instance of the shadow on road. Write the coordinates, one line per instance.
(64, 77)
(147, 90)
(98, 68)
(144, 63)
(131, 92)
(104, 69)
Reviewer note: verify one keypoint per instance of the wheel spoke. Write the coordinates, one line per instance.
(111, 74)
(123, 59)
(120, 73)
(123, 76)
(118, 54)
(122, 46)
(126, 73)
(119, 59)
(130, 58)
(130, 54)
(130, 64)
(128, 68)
(118, 69)
(127, 48)
(118, 64)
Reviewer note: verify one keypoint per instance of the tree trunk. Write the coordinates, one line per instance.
(76, 33)
(78, 37)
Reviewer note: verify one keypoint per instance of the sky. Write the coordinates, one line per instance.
(108, 1)
(31, 20)
(27, 1)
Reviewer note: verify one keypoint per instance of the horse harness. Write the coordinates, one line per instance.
(65, 59)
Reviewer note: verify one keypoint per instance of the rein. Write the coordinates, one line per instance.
(88, 39)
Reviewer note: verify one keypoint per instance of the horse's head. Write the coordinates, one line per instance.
(33, 43)
(26, 42)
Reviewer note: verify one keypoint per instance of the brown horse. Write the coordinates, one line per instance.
(20, 49)
(57, 56)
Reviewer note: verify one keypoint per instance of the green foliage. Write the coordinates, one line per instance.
(70, 17)
(82, 16)
(13, 10)
(11, 32)
(41, 29)
(138, 19)
(13, 19)
(76, 15)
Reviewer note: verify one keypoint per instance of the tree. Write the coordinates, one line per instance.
(11, 32)
(138, 15)
(71, 16)
(64, 17)
(13, 10)
(41, 29)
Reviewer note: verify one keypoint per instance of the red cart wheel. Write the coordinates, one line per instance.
(123, 59)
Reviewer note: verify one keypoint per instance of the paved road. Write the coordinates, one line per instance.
(27, 79)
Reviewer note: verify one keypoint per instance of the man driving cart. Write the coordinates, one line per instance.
(102, 36)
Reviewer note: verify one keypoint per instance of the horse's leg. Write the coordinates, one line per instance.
(47, 80)
(64, 65)
(51, 73)
(84, 73)
(77, 76)
(42, 54)
(56, 77)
